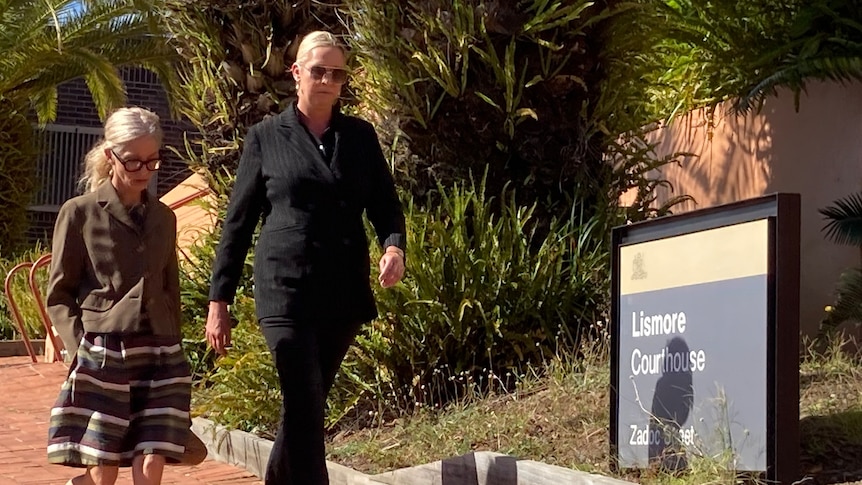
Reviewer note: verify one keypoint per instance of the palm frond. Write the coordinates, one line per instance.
(845, 220)
(842, 68)
(45, 103)
(46, 43)
(105, 85)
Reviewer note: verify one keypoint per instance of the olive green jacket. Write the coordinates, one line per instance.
(108, 274)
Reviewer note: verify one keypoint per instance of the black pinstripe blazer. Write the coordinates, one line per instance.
(311, 260)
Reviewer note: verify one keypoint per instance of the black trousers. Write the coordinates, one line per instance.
(307, 355)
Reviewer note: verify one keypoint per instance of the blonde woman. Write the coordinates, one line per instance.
(309, 174)
(113, 296)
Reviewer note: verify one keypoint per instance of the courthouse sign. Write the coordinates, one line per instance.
(705, 337)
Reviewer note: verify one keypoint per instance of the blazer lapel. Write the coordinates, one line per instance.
(301, 141)
(109, 200)
(153, 219)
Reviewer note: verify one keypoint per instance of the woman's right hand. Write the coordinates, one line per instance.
(218, 327)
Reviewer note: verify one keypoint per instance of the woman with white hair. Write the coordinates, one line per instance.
(113, 296)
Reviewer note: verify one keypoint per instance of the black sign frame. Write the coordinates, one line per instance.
(782, 352)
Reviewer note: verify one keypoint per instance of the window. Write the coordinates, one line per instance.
(61, 151)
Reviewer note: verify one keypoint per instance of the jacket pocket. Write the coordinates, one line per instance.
(282, 254)
(95, 307)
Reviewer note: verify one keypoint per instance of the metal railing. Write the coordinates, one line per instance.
(16, 312)
(50, 334)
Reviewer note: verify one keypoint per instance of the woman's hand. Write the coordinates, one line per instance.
(391, 266)
(218, 327)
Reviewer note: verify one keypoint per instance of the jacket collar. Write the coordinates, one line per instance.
(297, 134)
(110, 201)
(290, 118)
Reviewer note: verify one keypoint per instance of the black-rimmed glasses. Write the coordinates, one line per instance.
(136, 165)
(336, 74)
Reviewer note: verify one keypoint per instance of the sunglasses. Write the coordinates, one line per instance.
(136, 165)
(336, 74)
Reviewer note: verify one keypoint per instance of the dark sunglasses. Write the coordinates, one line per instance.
(135, 165)
(336, 74)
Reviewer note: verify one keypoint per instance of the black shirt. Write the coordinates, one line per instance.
(326, 144)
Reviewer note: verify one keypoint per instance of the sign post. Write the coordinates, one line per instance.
(705, 339)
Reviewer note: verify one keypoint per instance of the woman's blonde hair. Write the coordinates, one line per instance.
(121, 127)
(318, 38)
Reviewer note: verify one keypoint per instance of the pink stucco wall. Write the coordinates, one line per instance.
(816, 152)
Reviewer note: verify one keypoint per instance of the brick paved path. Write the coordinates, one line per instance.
(27, 392)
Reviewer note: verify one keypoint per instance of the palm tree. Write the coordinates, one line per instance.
(716, 50)
(824, 43)
(509, 80)
(46, 43)
(234, 71)
(43, 44)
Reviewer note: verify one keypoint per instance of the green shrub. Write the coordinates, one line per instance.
(242, 390)
(484, 295)
(491, 287)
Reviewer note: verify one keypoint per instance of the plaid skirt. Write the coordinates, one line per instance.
(126, 395)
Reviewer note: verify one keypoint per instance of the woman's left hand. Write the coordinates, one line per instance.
(391, 267)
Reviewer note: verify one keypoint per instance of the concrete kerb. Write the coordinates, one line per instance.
(489, 468)
(251, 452)
(233, 447)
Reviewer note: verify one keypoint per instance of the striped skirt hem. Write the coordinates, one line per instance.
(125, 396)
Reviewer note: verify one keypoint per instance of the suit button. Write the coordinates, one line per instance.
(342, 204)
(346, 241)
(141, 248)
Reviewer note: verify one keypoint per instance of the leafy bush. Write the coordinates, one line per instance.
(490, 287)
(242, 390)
(519, 92)
(483, 292)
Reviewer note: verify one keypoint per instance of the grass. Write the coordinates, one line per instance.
(831, 412)
(534, 420)
(559, 415)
